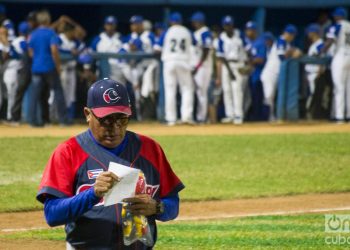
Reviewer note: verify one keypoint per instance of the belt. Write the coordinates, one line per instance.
(233, 61)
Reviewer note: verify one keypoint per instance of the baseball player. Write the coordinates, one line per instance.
(339, 34)
(175, 46)
(68, 45)
(280, 50)
(202, 63)
(256, 50)
(18, 47)
(76, 177)
(148, 66)
(110, 41)
(230, 51)
(312, 71)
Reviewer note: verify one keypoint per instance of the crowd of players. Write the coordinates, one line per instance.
(243, 65)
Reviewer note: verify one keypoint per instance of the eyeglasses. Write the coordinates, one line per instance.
(112, 119)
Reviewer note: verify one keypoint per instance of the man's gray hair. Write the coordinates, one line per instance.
(43, 17)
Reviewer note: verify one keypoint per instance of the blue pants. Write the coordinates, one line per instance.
(257, 111)
(41, 86)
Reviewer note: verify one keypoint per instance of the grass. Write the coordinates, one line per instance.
(262, 232)
(211, 167)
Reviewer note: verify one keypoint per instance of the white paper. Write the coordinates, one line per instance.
(123, 189)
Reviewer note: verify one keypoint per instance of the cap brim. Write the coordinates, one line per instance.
(104, 111)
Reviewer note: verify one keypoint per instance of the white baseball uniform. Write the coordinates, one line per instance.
(270, 73)
(113, 44)
(204, 40)
(232, 49)
(175, 45)
(340, 68)
(312, 70)
(68, 73)
(148, 66)
(17, 48)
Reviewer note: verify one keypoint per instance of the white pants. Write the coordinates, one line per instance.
(269, 78)
(11, 83)
(233, 92)
(202, 81)
(177, 72)
(149, 78)
(69, 84)
(340, 68)
(116, 72)
(311, 78)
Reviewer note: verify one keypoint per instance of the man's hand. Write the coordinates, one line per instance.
(104, 182)
(141, 204)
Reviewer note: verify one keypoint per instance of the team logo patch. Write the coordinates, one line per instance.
(111, 96)
(92, 174)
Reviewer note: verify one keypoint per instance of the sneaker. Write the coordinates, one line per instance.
(238, 121)
(170, 124)
(188, 122)
(226, 120)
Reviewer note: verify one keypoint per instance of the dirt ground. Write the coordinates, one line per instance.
(310, 203)
(152, 129)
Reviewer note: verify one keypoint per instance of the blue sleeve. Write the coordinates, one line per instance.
(333, 31)
(55, 40)
(152, 38)
(94, 43)
(281, 48)
(171, 208)
(207, 39)
(59, 211)
(24, 46)
(220, 48)
(319, 48)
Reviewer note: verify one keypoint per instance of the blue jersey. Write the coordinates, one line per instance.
(40, 42)
(257, 49)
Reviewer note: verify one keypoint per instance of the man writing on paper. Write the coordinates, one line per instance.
(76, 177)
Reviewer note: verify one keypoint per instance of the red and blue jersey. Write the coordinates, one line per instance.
(73, 168)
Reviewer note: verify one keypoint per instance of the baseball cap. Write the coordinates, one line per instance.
(85, 58)
(23, 28)
(111, 20)
(291, 29)
(106, 97)
(227, 20)
(251, 25)
(175, 17)
(136, 19)
(339, 11)
(198, 17)
(2, 9)
(314, 27)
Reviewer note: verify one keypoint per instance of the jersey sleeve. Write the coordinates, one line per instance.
(333, 31)
(207, 39)
(220, 48)
(281, 48)
(94, 43)
(170, 184)
(59, 174)
(55, 40)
